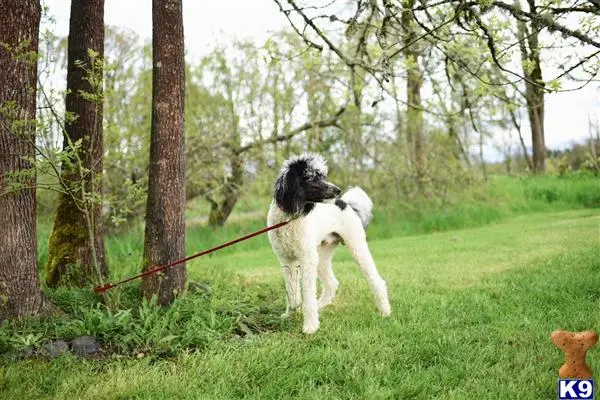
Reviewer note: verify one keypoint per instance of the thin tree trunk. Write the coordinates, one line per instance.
(535, 109)
(20, 293)
(164, 239)
(230, 193)
(414, 112)
(481, 158)
(274, 96)
(521, 140)
(76, 247)
(534, 89)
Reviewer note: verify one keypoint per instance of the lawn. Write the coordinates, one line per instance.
(473, 310)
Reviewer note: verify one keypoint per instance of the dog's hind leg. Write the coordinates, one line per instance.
(326, 276)
(356, 241)
(291, 275)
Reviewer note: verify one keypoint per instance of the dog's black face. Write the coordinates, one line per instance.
(303, 181)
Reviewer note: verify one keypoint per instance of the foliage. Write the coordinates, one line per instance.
(245, 101)
(131, 326)
(496, 200)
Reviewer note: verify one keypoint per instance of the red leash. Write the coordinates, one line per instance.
(102, 289)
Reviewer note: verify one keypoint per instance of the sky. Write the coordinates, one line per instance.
(209, 22)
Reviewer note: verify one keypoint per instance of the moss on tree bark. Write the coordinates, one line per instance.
(76, 249)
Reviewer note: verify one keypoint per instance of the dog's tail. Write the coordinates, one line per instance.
(360, 203)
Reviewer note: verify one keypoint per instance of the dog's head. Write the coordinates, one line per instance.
(303, 181)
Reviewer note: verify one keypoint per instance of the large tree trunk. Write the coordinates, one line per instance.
(20, 293)
(164, 240)
(534, 88)
(76, 247)
(414, 112)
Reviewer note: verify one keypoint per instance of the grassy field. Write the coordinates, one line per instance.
(473, 310)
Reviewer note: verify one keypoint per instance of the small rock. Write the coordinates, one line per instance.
(55, 349)
(201, 289)
(26, 352)
(22, 354)
(85, 346)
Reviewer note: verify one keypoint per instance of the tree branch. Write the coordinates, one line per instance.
(548, 23)
(331, 121)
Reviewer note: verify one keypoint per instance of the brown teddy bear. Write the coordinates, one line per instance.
(575, 345)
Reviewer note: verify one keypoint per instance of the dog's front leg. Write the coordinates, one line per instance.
(291, 275)
(309, 294)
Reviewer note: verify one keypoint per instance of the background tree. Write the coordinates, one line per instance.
(20, 292)
(529, 46)
(240, 106)
(164, 238)
(127, 121)
(76, 247)
(497, 33)
(414, 83)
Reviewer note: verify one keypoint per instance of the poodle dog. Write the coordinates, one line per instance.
(319, 222)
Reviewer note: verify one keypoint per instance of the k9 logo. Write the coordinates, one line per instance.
(575, 389)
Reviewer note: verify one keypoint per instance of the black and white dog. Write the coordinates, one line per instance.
(319, 223)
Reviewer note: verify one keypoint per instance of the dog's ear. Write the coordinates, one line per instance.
(290, 195)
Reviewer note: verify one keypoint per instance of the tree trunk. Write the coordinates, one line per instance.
(20, 293)
(517, 125)
(230, 193)
(164, 240)
(534, 88)
(535, 109)
(76, 246)
(414, 111)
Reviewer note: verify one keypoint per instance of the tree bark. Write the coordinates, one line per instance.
(414, 112)
(20, 293)
(534, 88)
(517, 126)
(535, 109)
(164, 240)
(229, 194)
(76, 247)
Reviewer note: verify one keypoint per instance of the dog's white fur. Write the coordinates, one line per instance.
(306, 245)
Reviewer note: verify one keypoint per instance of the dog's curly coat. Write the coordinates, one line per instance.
(319, 222)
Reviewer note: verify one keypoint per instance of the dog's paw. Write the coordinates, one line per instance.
(322, 303)
(386, 310)
(309, 329)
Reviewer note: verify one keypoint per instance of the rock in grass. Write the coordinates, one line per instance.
(55, 349)
(85, 346)
(26, 352)
(23, 354)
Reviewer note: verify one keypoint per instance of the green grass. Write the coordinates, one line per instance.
(473, 312)
(494, 201)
